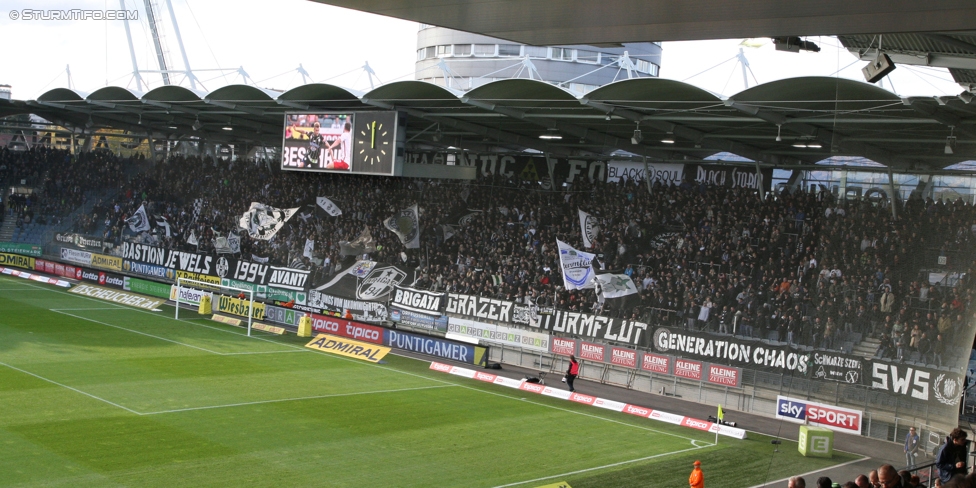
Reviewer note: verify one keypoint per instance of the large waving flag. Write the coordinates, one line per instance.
(577, 267)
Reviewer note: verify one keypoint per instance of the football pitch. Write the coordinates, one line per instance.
(97, 394)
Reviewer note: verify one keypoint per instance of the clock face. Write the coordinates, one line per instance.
(375, 142)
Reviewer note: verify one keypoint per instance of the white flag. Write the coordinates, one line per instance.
(163, 223)
(262, 222)
(234, 242)
(192, 240)
(589, 227)
(139, 222)
(220, 244)
(615, 285)
(577, 267)
(309, 247)
(406, 225)
(329, 207)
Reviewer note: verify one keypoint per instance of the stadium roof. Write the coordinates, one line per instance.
(782, 123)
(553, 22)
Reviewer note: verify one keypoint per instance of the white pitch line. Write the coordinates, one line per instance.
(763, 485)
(264, 352)
(78, 309)
(138, 332)
(605, 466)
(16, 289)
(70, 388)
(334, 395)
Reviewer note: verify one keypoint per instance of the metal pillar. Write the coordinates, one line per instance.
(179, 41)
(157, 43)
(132, 51)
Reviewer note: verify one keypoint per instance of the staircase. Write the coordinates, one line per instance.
(7, 229)
(867, 347)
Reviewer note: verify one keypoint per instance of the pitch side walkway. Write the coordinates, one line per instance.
(880, 452)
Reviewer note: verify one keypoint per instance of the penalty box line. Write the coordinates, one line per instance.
(605, 466)
(208, 407)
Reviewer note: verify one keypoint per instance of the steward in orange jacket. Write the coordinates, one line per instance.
(697, 479)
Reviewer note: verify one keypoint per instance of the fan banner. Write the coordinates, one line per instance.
(589, 227)
(227, 267)
(328, 207)
(369, 281)
(732, 350)
(914, 382)
(319, 302)
(139, 222)
(420, 301)
(262, 222)
(577, 267)
(406, 225)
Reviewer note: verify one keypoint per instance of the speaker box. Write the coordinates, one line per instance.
(878, 69)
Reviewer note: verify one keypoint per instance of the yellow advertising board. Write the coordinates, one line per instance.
(102, 261)
(226, 320)
(236, 306)
(200, 277)
(348, 347)
(7, 259)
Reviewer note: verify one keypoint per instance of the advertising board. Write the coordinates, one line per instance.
(806, 411)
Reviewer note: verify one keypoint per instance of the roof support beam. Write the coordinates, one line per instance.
(235, 106)
(946, 118)
(172, 107)
(952, 41)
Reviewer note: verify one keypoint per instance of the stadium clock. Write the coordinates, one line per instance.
(375, 147)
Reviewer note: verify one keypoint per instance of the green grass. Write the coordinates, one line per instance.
(92, 394)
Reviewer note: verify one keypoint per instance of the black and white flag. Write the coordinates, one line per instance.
(361, 245)
(589, 227)
(259, 259)
(163, 223)
(328, 207)
(192, 240)
(406, 225)
(234, 242)
(139, 222)
(262, 222)
(456, 220)
(309, 248)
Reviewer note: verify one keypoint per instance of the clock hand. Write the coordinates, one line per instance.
(372, 140)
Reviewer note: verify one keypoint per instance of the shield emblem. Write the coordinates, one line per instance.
(379, 282)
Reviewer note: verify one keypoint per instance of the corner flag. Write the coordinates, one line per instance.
(721, 414)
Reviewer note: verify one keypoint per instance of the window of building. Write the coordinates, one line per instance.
(536, 52)
(420, 54)
(444, 50)
(606, 59)
(562, 53)
(509, 50)
(462, 49)
(587, 56)
(484, 49)
(645, 66)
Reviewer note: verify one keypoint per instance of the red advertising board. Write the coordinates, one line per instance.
(684, 368)
(347, 328)
(592, 352)
(623, 357)
(656, 363)
(724, 375)
(563, 347)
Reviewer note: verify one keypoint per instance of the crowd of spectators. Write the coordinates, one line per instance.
(798, 267)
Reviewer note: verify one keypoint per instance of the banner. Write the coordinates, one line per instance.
(79, 240)
(279, 315)
(732, 176)
(419, 301)
(433, 346)
(691, 370)
(268, 292)
(589, 227)
(100, 277)
(577, 267)
(139, 222)
(592, 352)
(836, 367)
(148, 270)
(369, 281)
(261, 274)
(188, 295)
(262, 221)
(117, 297)
(236, 306)
(359, 309)
(59, 269)
(832, 417)
(348, 348)
(732, 351)
(23, 249)
(406, 225)
(656, 363)
(628, 332)
(915, 382)
(145, 287)
(724, 375)
(419, 320)
(664, 173)
(328, 207)
(76, 256)
(623, 357)
(168, 258)
(615, 285)
(113, 263)
(213, 280)
(499, 334)
(563, 347)
(348, 328)
(16, 260)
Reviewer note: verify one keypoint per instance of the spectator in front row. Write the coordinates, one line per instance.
(951, 459)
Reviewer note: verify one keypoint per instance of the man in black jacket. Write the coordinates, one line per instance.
(951, 460)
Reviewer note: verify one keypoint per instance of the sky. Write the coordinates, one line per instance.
(269, 40)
